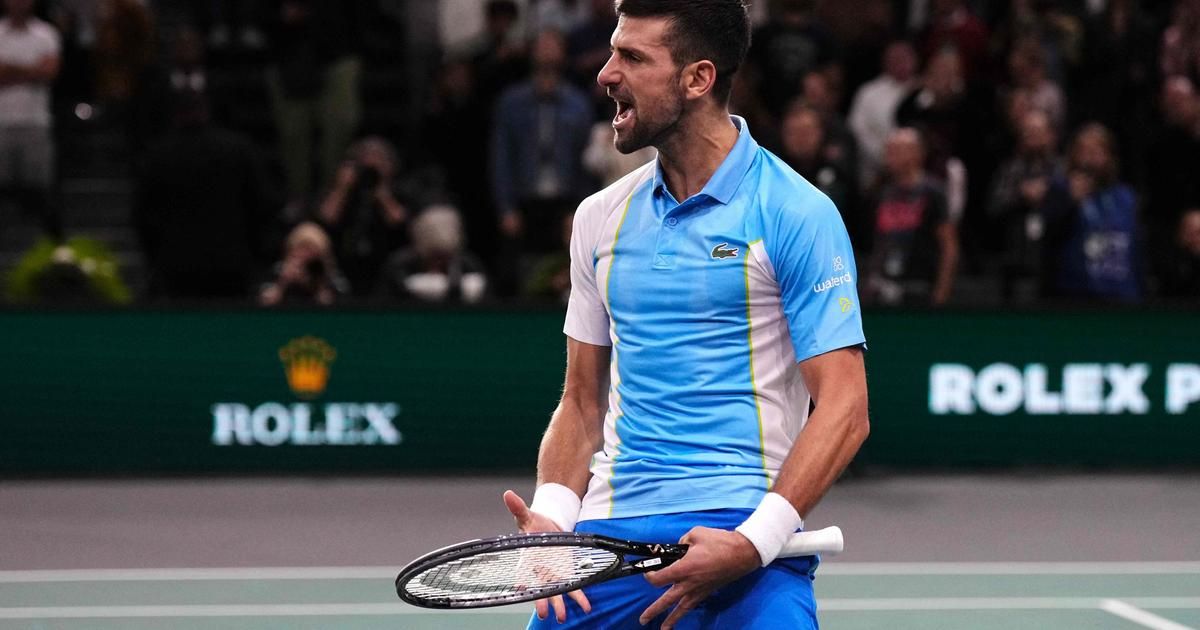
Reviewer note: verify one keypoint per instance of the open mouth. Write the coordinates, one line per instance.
(625, 115)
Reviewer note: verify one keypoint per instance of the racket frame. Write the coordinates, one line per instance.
(650, 557)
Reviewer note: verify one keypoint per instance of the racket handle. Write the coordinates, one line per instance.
(826, 541)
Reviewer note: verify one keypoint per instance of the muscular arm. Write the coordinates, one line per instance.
(574, 435)
(835, 431)
(42, 72)
(576, 428)
(837, 381)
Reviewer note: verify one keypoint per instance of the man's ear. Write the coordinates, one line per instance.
(698, 79)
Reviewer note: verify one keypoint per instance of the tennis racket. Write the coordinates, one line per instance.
(524, 567)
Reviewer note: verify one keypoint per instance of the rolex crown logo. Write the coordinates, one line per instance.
(306, 362)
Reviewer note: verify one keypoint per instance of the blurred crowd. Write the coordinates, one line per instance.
(980, 151)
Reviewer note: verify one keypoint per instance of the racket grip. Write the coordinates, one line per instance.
(826, 541)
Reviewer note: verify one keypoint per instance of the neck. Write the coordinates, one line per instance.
(694, 151)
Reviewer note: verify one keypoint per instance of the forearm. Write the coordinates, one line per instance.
(829, 441)
(43, 72)
(574, 435)
(331, 208)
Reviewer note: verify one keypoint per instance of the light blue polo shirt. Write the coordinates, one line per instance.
(708, 304)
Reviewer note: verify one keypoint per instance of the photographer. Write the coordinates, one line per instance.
(363, 212)
(308, 273)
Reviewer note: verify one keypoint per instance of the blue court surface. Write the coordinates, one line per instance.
(897, 595)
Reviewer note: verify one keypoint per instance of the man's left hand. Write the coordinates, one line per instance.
(715, 558)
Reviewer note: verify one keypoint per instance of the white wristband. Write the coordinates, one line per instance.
(770, 526)
(558, 503)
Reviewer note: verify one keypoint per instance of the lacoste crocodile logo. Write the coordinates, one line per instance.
(720, 253)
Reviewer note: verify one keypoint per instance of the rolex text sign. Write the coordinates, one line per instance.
(307, 363)
(1000, 389)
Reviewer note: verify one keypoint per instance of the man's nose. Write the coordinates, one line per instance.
(608, 75)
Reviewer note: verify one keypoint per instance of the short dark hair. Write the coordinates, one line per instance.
(716, 30)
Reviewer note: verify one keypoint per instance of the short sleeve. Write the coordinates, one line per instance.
(587, 317)
(814, 265)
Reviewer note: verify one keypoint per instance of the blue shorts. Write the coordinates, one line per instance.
(777, 596)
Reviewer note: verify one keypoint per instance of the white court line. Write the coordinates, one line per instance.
(239, 610)
(993, 603)
(1139, 616)
(380, 572)
(349, 610)
(1009, 568)
(168, 575)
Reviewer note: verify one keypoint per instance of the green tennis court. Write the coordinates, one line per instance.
(1160, 595)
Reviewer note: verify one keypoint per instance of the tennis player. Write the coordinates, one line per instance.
(713, 295)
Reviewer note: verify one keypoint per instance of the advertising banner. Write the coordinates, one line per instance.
(455, 391)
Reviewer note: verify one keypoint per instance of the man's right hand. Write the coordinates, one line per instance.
(530, 522)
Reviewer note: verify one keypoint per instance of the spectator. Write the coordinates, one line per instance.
(1181, 276)
(201, 208)
(791, 45)
(456, 121)
(1091, 225)
(805, 149)
(1173, 160)
(915, 250)
(1027, 71)
(941, 109)
(953, 26)
(498, 55)
(819, 93)
(437, 268)
(541, 129)
(865, 30)
(1014, 206)
(185, 72)
(29, 63)
(1056, 31)
(308, 274)
(363, 212)
(1181, 42)
(313, 81)
(873, 113)
(1118, 69)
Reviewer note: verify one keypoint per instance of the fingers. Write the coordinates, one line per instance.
(661, 605)
(520, 511)
(696, 535)
(560, 608)
(661, 578)
(581, 599)
(542, 606)
(685, 606)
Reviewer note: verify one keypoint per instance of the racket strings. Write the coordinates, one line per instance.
(510, 574)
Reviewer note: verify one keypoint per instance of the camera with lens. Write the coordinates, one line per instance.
(368, 177)
(315, 269)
